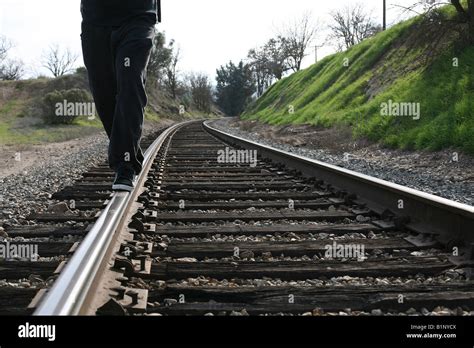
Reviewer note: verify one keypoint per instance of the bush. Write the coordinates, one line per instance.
(52, 106)
(81, 71)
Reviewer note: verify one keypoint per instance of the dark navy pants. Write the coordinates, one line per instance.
(116, 59)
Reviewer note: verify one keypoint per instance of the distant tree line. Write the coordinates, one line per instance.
(56, 60)
(164, 73)
(163, 70)
(283, 53)
(239, 84)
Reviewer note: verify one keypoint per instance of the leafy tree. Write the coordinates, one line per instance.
(201, 91)
(172, 81)
(235, 87)
(269, 62)
(260, 66)
(160, 59)
(277, 55)
(163, 65)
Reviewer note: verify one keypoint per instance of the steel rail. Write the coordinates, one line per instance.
(427, 213)
(70, 291)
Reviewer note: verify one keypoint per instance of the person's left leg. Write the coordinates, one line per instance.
(132, 47)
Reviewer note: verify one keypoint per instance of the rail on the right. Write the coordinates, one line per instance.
(418, 211)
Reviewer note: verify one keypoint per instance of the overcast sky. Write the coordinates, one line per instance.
(209, 32)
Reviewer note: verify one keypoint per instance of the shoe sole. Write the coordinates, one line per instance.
(125, 188)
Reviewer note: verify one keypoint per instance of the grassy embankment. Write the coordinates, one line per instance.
(402, 64)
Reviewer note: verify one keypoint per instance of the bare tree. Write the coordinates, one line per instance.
(5, 46)
(59, 62)
(201, 91)
(299, 36)
(465, 12)
(352, 25)
(430, 10)
(12, 70)
(172, 81)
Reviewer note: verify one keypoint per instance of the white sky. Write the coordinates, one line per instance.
(209, 32)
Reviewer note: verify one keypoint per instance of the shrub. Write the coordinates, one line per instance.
(53, 102)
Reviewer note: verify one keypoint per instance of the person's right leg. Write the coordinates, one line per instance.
(99, 61)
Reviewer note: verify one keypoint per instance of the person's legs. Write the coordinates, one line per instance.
(99, 61)
(132, 46)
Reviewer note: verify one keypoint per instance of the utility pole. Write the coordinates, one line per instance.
(316, 48)
(384, 15)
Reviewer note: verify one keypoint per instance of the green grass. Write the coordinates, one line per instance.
(86, 122)
(151, 116)
(43, 134)
(446, 98)
(17, 127)
(329, 93)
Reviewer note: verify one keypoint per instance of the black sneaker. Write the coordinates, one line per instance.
(124, 179)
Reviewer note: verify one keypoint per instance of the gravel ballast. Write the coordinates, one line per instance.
(30, 189)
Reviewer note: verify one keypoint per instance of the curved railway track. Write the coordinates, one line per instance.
(209, 233)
